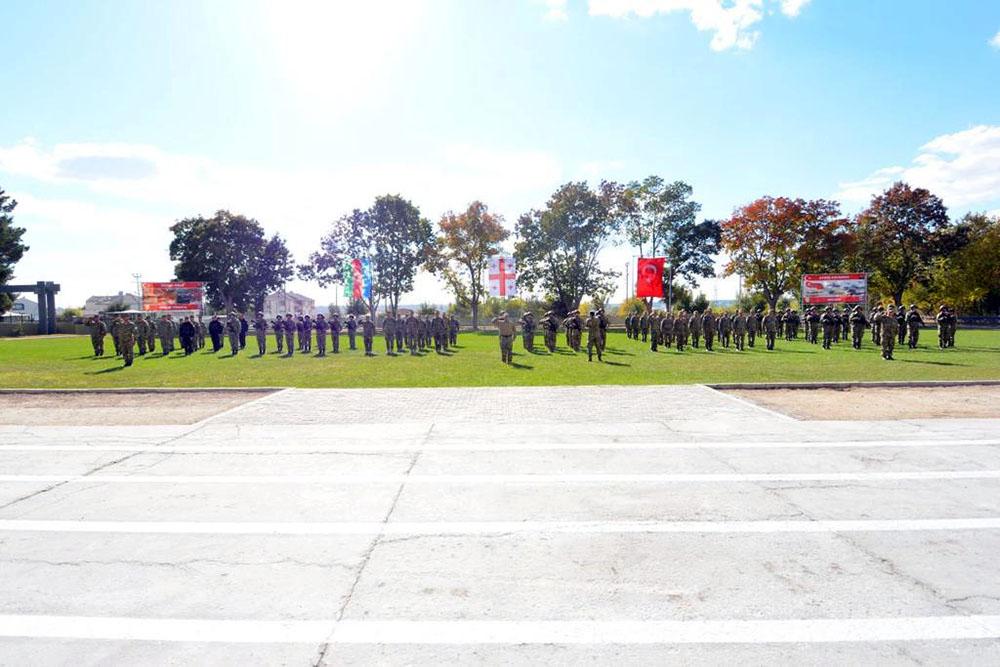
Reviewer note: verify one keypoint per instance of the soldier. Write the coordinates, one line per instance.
(453, 326)
(367, 327)
(681, 330)
(98, 330)
(307, 331)
(667, 329)
(739, 329)
(751, 328)
(335, 332)
(594, 334)
(573, 327)
(952, 327)
(421, 334)
(290, 328)
(708, 326)
(215, 331)
(322, 326)
(527, 323)
(725, 329)
(141, 333)
(846, 323)
(389, 332)
(814, 324)
(858, 323)
(644, 325)
(796, 322)
(164, 331)
(696, 324)
(260, 331)
(150, 334)
(233, 332)
(399, 334)
(836, 325)
(550, 327)
(603, 320)
(279, 334)
(913, 322)
(654, 330)
(901, 323)
(890, 329)
(827, 321)
(785, 324)
(876, 324)
(352, 330)
(113, 330)
(438, 332)
(770, 326)
(202, 332)
(412, 334)
(628, 325)
(126, 339)
(188, 335)
(505, 331)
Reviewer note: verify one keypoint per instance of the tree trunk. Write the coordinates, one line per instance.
(475, 314)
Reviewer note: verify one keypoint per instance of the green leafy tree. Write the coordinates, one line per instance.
(391, 235)
(462, 251)
(12, 248)
(558, 248)
(70, 314)
(631, 306)
(230, 253)
(969, 278)
(900, 234)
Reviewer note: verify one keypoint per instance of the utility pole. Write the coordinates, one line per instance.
(138, 288)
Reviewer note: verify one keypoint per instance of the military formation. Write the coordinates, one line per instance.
(292, 334)
(827, 326)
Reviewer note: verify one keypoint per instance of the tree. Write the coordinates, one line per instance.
(462, 252)
(70, 314)
(231, 255)
(558, 247)
(391, 235)
(12, 248)
(969, 278)
(900, 234)
(772, 241)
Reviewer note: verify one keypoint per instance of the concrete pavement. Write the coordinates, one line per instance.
(532, 525)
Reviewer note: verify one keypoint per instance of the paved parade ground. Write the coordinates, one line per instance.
(568, 525)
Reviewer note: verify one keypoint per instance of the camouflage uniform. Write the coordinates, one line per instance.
(770, 325)
(352, 330)
(322, 326)
(890, 329)
(667, 329)
(550, 327)
(594, 335)
(751, 328)
(412, 333)
(858, 322)
(828, 322)
(289, 327)
(644, 326)
(126, 334)
(725, 329)
(681, 330)
(141, 334)
(368, 335)
(389, 332)
(98, 330)
(740, 329)
(505, 331)
(260, 331)
(708, 326)
(696, 325)
(279, 334)
(335, 333)
(913, 322)
(527, 323)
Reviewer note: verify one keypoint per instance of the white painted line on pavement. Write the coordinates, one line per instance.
(512, 478)
(396, 447)
(755, 406)
(433, 528)
(723, 631)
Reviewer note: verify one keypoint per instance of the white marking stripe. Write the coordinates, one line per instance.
(490, 447)
(921, 628)
(511, 478)
(431, 528)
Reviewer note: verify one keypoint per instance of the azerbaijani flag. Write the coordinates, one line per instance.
(357, 278)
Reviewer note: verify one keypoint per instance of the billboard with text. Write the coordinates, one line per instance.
(172, 296)
(824, 288)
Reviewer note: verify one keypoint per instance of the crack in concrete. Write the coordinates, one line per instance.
(366, 558)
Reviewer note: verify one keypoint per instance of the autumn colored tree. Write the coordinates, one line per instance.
(558, 248)
(969, 277)
(772, 241)
(462, 251)
(900, 234)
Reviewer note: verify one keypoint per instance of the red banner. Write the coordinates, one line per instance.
(358, 278)
(821, 288)
(649, 277)
(173, 296)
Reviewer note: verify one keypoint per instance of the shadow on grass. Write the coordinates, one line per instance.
(113, 369)
(616, 363)
(521, 367)
(930, 363)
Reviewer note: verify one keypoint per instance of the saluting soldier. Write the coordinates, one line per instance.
(505, 331)
(527, 323)
(322, 326)
(890, 329)
(550, 327)
(876, 324)
(826, 320)
(594, 334)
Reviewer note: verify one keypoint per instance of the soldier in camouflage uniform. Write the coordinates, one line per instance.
(506, 330)
(550, 327)
(681, 330)
(98, 330)
(573, 327)
(708, 326)
(739, 329)
(453, 326)
(412, 334)
(527, 323)
(438, 332)
(368, 335)
(141, 334)
(400, 326)
(890, 329)
(876, 324)
(150, 334)
(260, 332)
(289, 327)
(278, 327)
(901, 324)
(770, 325)
(654, 330)
(858, 323)
(644, 325)
(828, 322)
(126, 339)
(352, 331)
(696, 323)
(725, 329)
(667, 329)
(389, 333)
(913, 322)
(335, 328)
(751, 328)
(322, 326)
(594, 333)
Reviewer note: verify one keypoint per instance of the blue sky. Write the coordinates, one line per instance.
(119, 117)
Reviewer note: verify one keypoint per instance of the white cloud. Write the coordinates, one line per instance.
(995, 42)
(963, 168)
(729, 21)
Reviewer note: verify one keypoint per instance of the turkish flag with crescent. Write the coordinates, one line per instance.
(649, 277)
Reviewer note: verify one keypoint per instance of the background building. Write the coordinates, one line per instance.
(99, 304)
(280, 303)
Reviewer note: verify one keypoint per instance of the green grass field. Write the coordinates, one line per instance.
(67, 363)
